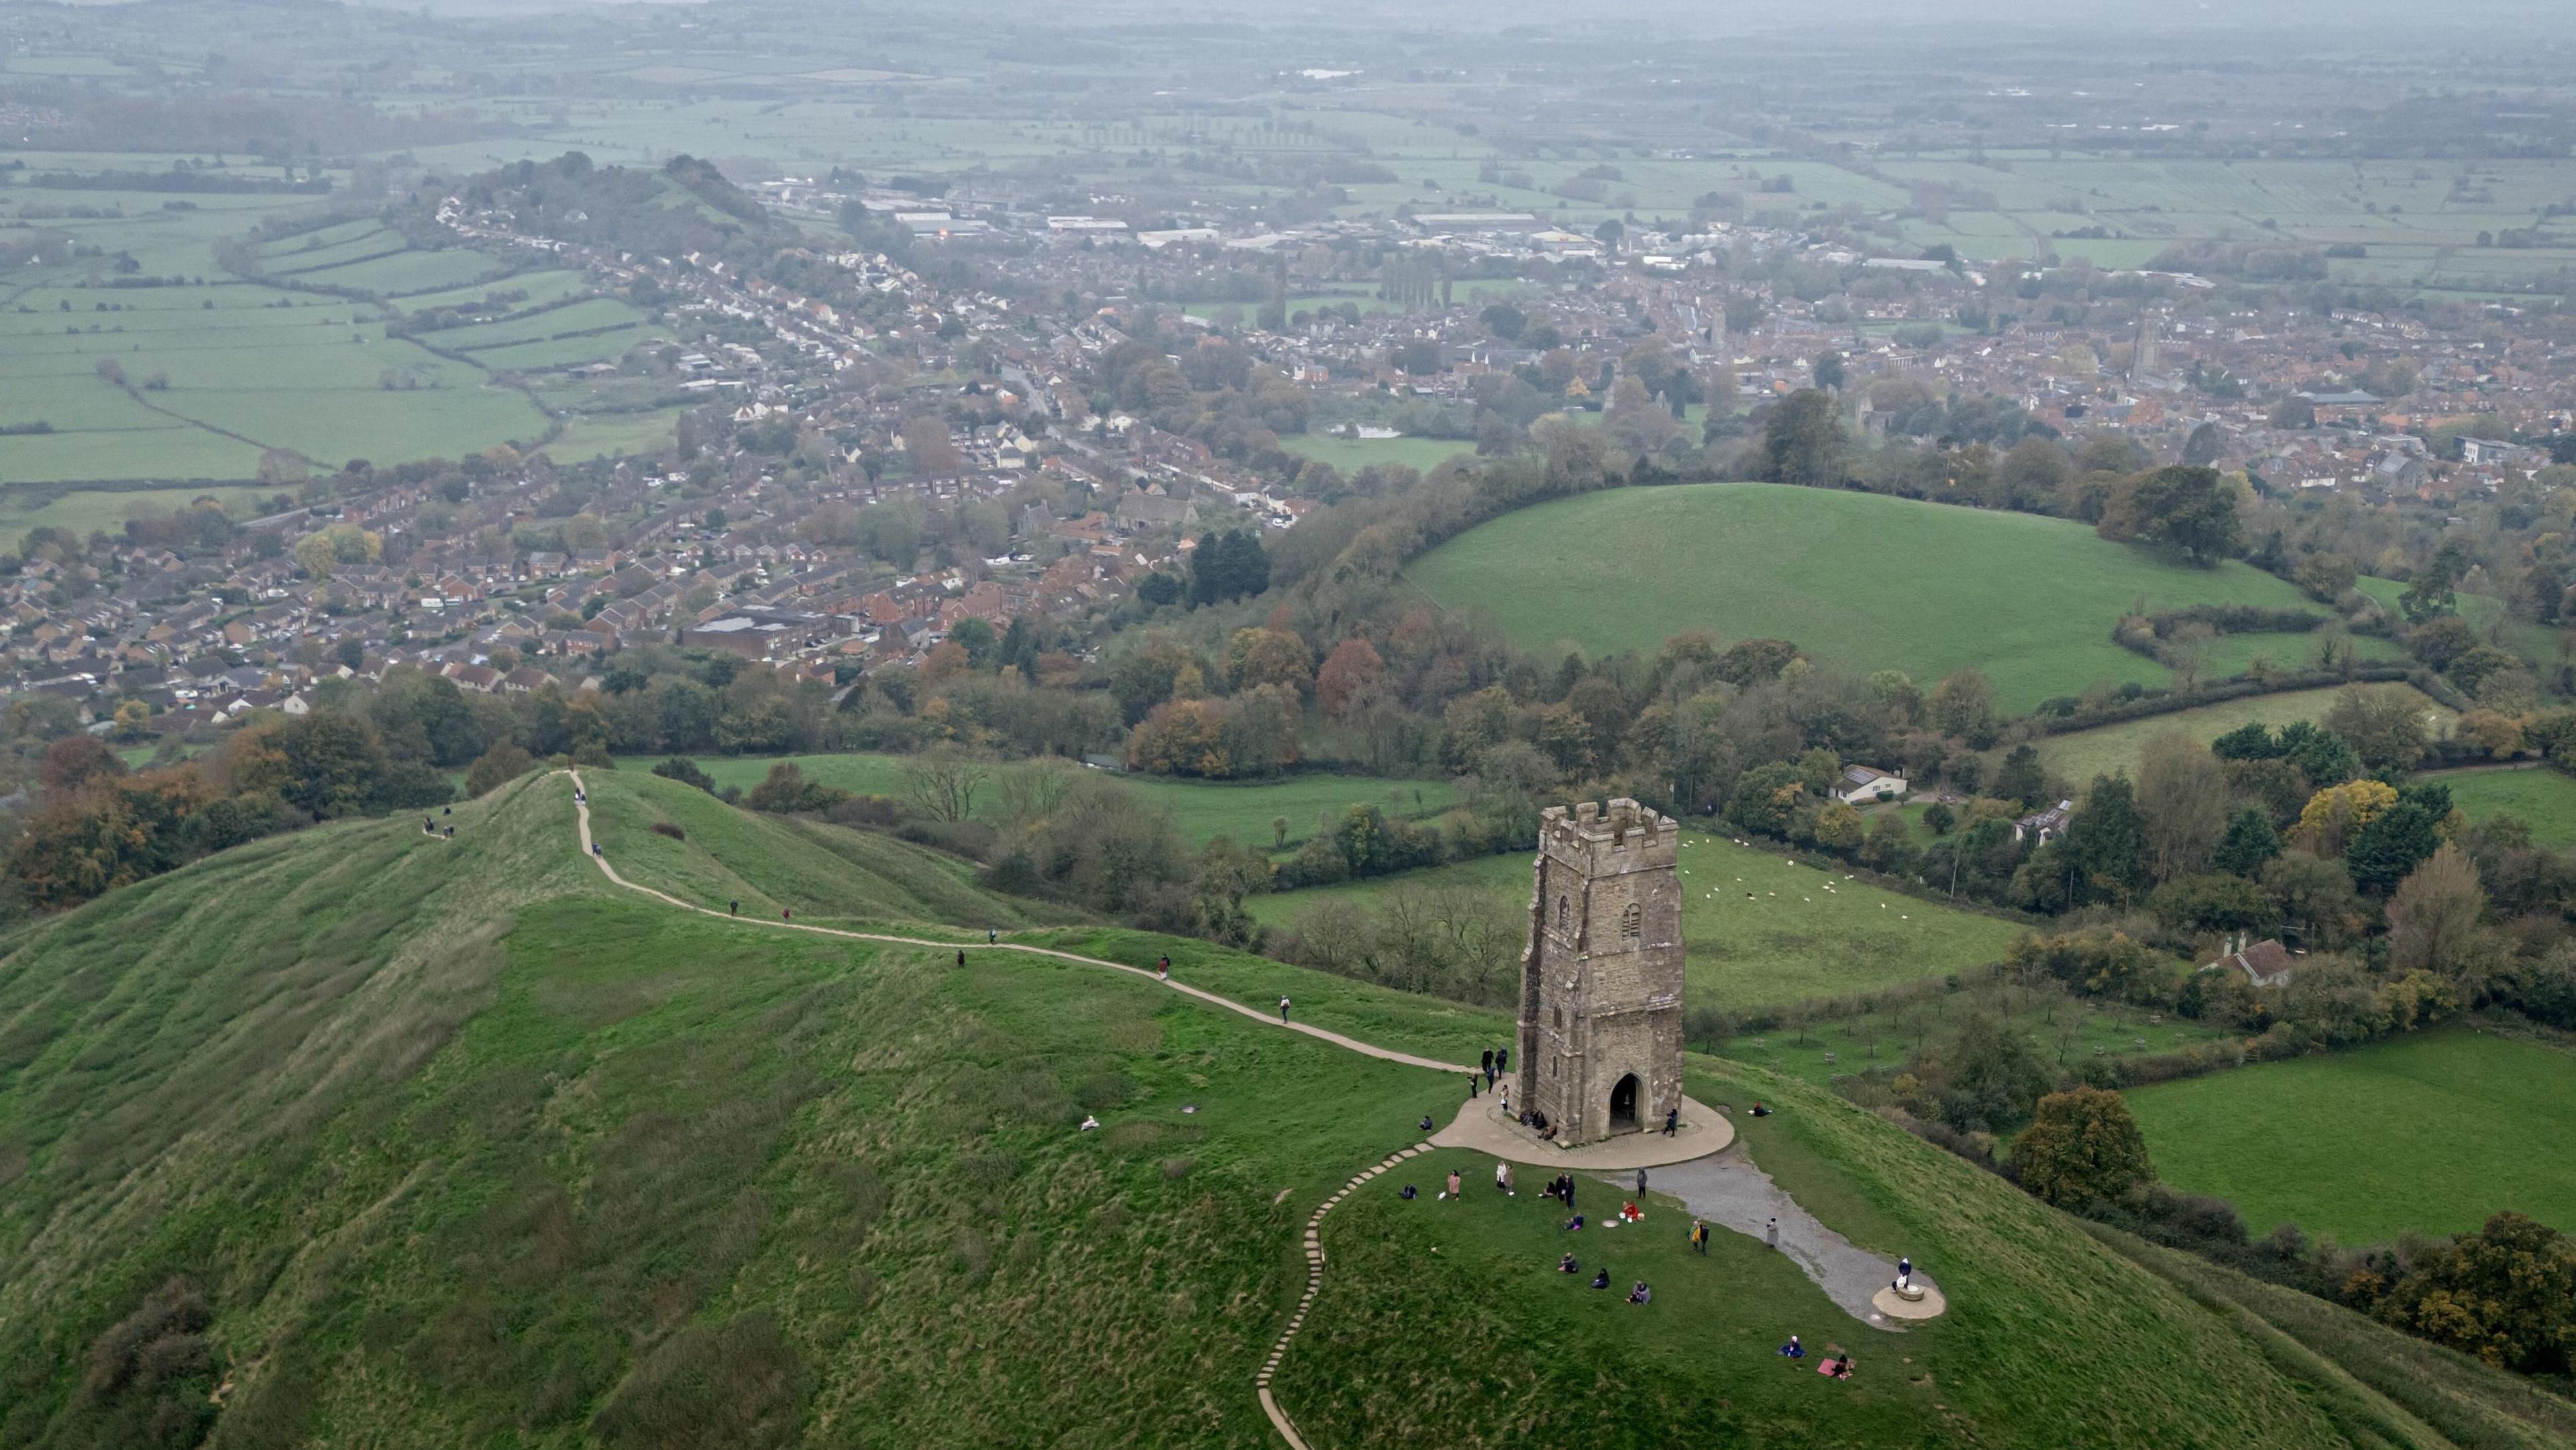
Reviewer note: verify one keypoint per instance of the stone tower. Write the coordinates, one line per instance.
(1601, 982)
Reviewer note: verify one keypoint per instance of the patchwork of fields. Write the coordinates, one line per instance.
(185, 381)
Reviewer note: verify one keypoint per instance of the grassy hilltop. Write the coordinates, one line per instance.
(1858, 580)
(364, 1137)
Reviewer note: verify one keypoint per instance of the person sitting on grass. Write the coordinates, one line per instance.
(1567, 1265)
(1573, 1225)
(1793, 1349)
(1630, 1213)
(1426, 1122)
(1601, 1280)
(1641, 1294)
(1410, 1193)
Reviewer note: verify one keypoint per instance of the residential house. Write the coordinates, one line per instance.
(1860, 785)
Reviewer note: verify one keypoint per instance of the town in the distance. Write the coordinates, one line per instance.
(796, 724)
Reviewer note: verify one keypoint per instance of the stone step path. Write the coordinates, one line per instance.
(1314, 1226)
(1314, 1285)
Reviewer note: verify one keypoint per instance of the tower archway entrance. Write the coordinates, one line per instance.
(1623, 1105)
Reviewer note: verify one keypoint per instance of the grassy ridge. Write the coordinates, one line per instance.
(1858, 580)
(2379, 1387)
(2430, 1133)
(464, 1146)
(1205, 809)
(771, 863)
(1791, 941)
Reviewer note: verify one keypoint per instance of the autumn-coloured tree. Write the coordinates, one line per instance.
(1351, 674)
(2434, 912)
(2082, 1149)
(74, 761)
(1257, 657)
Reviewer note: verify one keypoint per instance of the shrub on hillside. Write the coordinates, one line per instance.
(684, 770)
(503, 763)
(786, 791)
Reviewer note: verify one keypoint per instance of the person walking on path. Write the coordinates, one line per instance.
(1699, 1236)
(1672, 1121)
(1471, 1087)
(787, 913)
(1489, 1066)
(734, 907)
(1641, 1183)
(1163, 968)
(1771, 1233)
(1283, 1011)
(1507, 1099)
(991, 936)
(1502, 1059)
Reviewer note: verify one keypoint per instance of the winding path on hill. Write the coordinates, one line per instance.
(1462, 1133)
(581, 805)
(1314, 1226)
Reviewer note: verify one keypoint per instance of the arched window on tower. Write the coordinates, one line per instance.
(1632, 922)
(1563, 918)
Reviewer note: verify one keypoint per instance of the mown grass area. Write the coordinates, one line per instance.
(2430, 1133)
(1858, 580)
(2080, 755)
(460, 1145)
(2542, 799)
(1205, 809)
(1761, 930)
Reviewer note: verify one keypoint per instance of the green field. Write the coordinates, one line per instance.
(1793, 940)
(458, 1144)
(1204, 809)
(1349, 454)
(2542, 799)
(2428, 1134)
(2080, 755)
(1860, 581)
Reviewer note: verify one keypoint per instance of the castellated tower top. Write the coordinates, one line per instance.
(1608, 842)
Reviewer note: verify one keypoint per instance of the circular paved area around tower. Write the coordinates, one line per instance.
(1480, 1127)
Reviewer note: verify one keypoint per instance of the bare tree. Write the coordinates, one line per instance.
(943, 782)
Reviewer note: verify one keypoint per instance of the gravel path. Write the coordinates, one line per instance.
(1730, 1192)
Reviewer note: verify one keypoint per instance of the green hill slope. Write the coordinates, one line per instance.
(361, 1137)
(1858, 580)
(770, 863)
